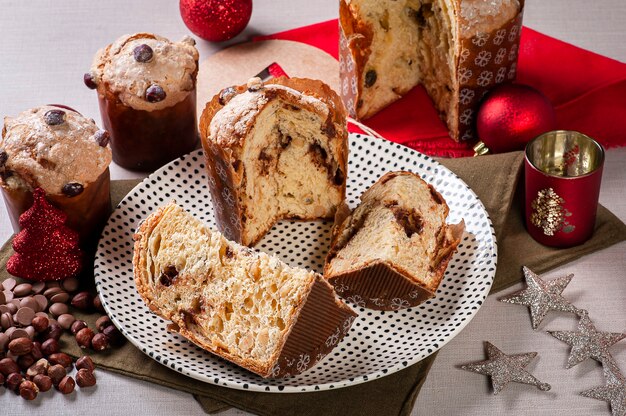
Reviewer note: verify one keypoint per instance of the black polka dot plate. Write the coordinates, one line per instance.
(379, 343)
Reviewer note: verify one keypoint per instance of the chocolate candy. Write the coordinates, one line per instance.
(4, 156)
(155, 93)
(90, 81)
(143, 53)
(72, 189)
(102, 137)
(54, 117)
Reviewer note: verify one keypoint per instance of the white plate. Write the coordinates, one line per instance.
(378, 344)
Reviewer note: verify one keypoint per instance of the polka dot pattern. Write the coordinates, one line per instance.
(379, 342)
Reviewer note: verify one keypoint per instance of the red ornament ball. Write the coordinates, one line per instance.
(46, 249)
(512, 115)
(216, 20)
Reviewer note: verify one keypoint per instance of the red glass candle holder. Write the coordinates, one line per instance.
(563, 172)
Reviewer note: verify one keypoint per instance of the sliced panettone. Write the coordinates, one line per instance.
(275, 150)
(392, 251)
(245, 306)
(457, 49)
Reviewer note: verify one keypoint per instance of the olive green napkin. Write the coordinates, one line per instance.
(495, 180)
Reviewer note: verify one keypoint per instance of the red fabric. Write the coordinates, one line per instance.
(588, 91)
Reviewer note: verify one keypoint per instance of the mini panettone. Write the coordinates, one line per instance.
(392, 251)
(57, 149)
(274, 151)
(457, 49)
(245, 306)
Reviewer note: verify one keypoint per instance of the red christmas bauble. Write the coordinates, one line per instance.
(216, 20)
(512, 115)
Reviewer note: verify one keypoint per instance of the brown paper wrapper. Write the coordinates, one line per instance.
(486, 60)
(322, 323)
(380, 287)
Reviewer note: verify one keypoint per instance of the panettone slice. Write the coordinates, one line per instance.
(245, 306)
(274, 151)
(391, 252)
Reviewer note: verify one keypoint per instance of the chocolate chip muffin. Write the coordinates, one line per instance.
(146, 87)
(64, 153)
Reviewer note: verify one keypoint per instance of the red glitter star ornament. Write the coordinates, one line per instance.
(46, 249)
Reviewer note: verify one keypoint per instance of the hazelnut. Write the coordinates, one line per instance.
(60, 358)
(8, 366)
(66, 385)
(84, 337)
(56, 373)
(28, 390)
(116, 338)
(50, 346)
(40, 323)
(103, 322)
(21, 346)
(77, 326)
(36, 351)
(25, 361)
(43, 382)
(13, 381)
(82, 301)
(97, 303)
(40, 367)
(85, 362)
(54, 331)
(85, 378)
(100, 342)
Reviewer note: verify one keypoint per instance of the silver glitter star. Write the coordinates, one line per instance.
(505, 368)
(542, 296)
(587, 342)
(614, 392)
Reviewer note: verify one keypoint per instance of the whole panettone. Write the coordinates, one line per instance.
(275, 150)
(457, 49)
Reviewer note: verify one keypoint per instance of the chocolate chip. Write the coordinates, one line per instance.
(370, 78)
(266, 161)
(155, 93)
(229, 253)
(54, 117)
(4, 156)
(329, 128)
(169, 275)
(72, 189)
(284, 140)
(318, 153)
(409, 219)
(143, 53)
(339, 177)
(226, 95)
(102, 137)
(90, 81)
(436, 196)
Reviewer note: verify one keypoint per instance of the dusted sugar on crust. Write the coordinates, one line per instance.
(483, 16)
(275, 150)
(50, 147)
(391, 252)
(456, 49)
(128, 72)
(245, 306)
